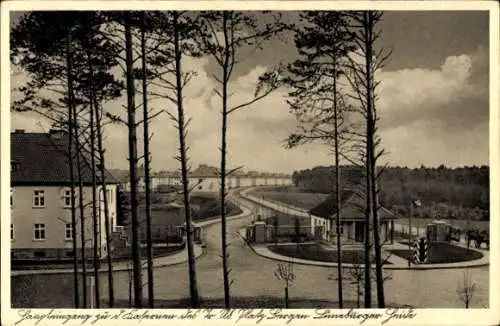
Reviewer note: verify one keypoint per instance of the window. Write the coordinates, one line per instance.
(38, 198)
(69, 233)
(66, 198)
(12, 232)
(39, 231)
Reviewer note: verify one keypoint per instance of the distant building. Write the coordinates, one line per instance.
(40, 199)
(165, 178)
(352, 217)
(206, 178)
(123, 177)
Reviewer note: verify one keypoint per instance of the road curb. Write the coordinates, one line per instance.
(268, 204)
(266, 253)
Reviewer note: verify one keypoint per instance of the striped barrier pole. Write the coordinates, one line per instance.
(416, 252)
(424, 249)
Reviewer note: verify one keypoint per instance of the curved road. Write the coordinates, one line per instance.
(253, 276)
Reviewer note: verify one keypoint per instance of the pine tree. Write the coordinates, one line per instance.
(363, 65)
(60, 92)
(224, 35)
(322, 41)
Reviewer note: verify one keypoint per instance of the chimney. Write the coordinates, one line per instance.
(19, 131)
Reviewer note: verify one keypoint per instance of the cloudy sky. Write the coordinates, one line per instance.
(434, 103)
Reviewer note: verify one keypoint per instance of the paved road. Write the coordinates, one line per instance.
(253, 276)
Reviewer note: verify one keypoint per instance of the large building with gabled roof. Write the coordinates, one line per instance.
(40, 199)
(352, 217)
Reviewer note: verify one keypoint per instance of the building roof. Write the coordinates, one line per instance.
(352, 207)
(41, 158)
(167, 174)
(122, 176)
(205, 171)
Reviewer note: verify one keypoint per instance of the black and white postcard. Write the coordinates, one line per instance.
(250, 162)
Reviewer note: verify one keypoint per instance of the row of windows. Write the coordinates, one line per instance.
(39, 198)
(323, 223)
(319, 223)
(39, 231)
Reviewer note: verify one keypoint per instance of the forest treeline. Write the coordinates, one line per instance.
(461, 193)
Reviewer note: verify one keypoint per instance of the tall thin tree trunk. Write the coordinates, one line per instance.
(81, 206)
(369, 203)
(369, 152)
(373, 160)
(146, 165)
(102, 171)
(132, 144)
(96, 232)
(377, 243)
(286, 298)
(193, 286)
(225, 268)
(111, 295)
(69, 64)
(337, 184)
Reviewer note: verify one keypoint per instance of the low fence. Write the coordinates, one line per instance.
(288, 230)
(287, 219)
(167, 234)
(262, 233)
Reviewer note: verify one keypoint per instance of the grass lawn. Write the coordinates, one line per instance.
(205, 207)
(61, 297)
(307, 200)
(156, 252)
(265, 302)
(302, 200)
(317, 253)
(165, 219)
(443, 253)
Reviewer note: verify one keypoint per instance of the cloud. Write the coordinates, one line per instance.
(434, 117)
(448, 94)
(428, 117)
